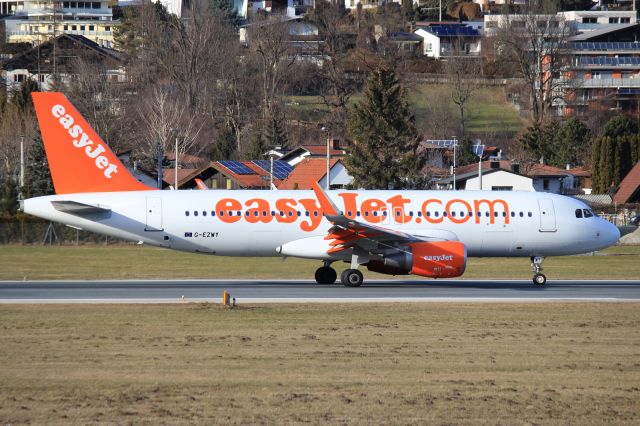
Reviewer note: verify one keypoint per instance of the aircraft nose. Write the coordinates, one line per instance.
(609, 233)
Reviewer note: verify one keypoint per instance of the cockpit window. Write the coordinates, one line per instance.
(579, 213)
(587, 213)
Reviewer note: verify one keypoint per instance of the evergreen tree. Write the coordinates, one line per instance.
(384, 149)
(276, 135)
(223, 9)
(224, 148)
(634, 148)
(539, 139)
(604, 166)
(620, 125)
(9, 200)
(596, 148)
(571, 144)
(21, 98)
(257, 148)
(37, 175)
(464, 153)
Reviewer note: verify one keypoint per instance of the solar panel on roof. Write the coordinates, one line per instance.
(237, 167)
(281, 169)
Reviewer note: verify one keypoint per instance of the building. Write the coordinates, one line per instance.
(603, 72)
(582, 21)
(302, 152)
(37, 21)
(59, 56)
(315, 169)
(629, 189)
(441, 40)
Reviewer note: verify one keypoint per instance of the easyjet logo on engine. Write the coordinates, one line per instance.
(372, 210)
(439, 258)
(81, 140)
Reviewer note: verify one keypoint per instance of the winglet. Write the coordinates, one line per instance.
(327, 206)
(79, 159)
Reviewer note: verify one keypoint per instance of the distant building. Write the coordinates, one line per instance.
(315, 169)
(37, 21)
(442, 40)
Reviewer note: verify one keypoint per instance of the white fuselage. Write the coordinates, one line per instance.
(278, 223)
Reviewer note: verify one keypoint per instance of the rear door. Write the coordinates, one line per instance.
(154, 214)
(547, 215)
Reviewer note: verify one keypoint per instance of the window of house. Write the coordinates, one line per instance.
(66, 28)
(545, 184)
(625, 20)
(18, 78)
(92, 28)
(492, 24)
(82, 27)
(107, 28)
(74, 27)
(614, 20)
(95, 5)
(502, 188)
(589, 20)
(429, 47)
(65, 4)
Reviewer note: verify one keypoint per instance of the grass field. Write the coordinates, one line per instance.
(321, 364)
(488, 111)
(131, 262)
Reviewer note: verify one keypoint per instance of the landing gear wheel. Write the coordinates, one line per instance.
(540, 280)
(351, 278)
(326, 275)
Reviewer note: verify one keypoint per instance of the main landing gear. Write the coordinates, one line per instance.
(538, 277)
(349, 277)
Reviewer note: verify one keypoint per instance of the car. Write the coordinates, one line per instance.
(635, 220)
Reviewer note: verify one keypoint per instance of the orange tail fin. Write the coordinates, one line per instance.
(79, 159)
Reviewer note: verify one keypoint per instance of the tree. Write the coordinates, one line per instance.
(534, 43)
(463, 73)
(464, 153)
(620, 125)
(572, 144)
(276, 134)
(258, 147)
(384, 149)
(224, 148)
(8, 197)
(539, 139)
(37, 174)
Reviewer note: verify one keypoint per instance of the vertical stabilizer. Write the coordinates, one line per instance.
(79, 159)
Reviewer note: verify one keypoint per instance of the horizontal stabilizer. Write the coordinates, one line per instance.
(78, 209)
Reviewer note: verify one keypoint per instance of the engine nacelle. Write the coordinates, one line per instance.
(444, 259)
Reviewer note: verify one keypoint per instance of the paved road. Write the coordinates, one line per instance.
(294, 291)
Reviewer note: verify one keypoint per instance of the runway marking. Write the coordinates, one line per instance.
(268, 300)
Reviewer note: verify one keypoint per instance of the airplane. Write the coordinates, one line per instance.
(396, 232)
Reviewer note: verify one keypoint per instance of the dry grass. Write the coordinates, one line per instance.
(138, 262)
(384, 363)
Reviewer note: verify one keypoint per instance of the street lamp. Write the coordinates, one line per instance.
(455, 143)
(328, 184)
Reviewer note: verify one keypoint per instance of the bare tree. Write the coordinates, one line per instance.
(269, 40)
(534, 42)
(168, 119)
(463, 72)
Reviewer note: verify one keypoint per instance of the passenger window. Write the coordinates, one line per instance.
(504, 214)
(213, 212)
(513, 214)
(204, 213)
(579, 213)
(587, 213)
(428, 214)
(486, 214)
(186, 213)
(195, 213)
(444, 214)
(411, 213)
(348, 213)
(264, 213)
(358, 214)
(420, 214)
(521, 214)
(453, 214)
(530, 214)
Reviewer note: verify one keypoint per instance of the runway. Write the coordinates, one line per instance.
(293, 291)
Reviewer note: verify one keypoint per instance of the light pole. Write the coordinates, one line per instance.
(328, 183)
(176, 165)
(455, 143)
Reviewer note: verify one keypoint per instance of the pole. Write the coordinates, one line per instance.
(440, 12)
(176, 174)
(455, 142)
(328, 161)
(271, 172)
(480, 170)
(21, 162)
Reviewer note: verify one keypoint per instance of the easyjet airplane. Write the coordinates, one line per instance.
(427, 233)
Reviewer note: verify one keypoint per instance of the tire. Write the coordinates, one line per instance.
(352, 278)
(540, 280)
(326, 275)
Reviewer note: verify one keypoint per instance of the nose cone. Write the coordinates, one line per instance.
(609, 233)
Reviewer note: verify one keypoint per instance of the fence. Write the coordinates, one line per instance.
(25, 230)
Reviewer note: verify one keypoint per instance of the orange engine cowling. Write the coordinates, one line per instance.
(444, 259)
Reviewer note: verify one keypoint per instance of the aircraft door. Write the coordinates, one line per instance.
(154, 214)
(547, 215)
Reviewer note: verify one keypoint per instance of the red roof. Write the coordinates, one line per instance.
(629, 187)
(538, 169)
(486, 166)
(309, 169)
(258, 180)
(322, 150)
(580, 172)
(185, 158)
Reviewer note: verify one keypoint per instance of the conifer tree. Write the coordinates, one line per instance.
(383, 152)
(257, 148)
(224, 148)
(275, 134)
(596, 148)
(37, 175)
(9, 197)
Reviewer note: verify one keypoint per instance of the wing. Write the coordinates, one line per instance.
(347, 234)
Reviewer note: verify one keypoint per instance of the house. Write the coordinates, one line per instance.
(38, 63)
(629, 189)
(315, 169)
(303, 36)
(248, 174)
(400, 41)
(441, 40)
(187, 177)
(298, 154)
(36, 22)
(551, 179)
(299, 7)
(496, 176)
(603, 72)
(583, 21)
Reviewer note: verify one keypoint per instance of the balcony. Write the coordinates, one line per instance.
(609, 83)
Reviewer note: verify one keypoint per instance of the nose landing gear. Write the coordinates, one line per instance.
(539, 278)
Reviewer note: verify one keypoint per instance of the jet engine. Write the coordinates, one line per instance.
(444, 259)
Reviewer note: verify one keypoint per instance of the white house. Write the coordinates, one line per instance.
(449, 39)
